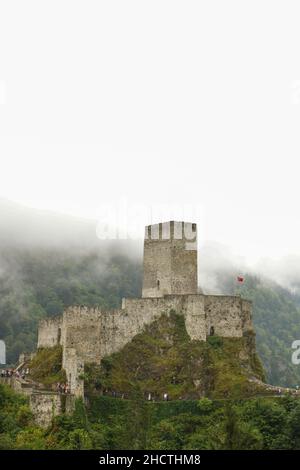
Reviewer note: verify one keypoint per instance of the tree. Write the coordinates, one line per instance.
(79, 439)
(294, 427)
(240, 435)
(31, 439)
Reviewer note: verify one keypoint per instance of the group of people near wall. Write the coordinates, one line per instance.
(148, 396)
(283, 391)
(20, 374)
(165, 397)
(7, 373)
(62, 387)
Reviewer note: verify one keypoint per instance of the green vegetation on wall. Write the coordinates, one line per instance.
(163, 359)
(113, 423)
(46, 366)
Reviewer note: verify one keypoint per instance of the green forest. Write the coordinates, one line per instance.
(112, 423)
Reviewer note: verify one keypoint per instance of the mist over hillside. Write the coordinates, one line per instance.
(31, 230)
(50, 261)
(23, 226)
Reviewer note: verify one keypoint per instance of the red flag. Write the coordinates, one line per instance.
(240, 279)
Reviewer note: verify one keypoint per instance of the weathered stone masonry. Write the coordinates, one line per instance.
(170, 284)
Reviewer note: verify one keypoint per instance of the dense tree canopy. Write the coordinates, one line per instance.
(112, 423)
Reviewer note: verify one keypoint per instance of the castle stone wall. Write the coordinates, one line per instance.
(45, 407)
(194, 313)
(82, 331)
(49, 333)
(145, 311)
(73, 364)
(89, 334)
(246, 315)
(227, 316)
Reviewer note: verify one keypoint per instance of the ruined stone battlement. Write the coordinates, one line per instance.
(49, 332)
(170, 285)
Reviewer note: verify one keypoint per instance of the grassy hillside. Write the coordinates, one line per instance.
(163, 359)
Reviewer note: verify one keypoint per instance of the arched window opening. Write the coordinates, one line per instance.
(212, 331)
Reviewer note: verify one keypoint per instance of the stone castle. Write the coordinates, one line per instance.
(170, 283)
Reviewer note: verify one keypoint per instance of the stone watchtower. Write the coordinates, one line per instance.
(170, 259)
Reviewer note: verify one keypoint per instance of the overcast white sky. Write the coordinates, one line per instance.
(190, 102)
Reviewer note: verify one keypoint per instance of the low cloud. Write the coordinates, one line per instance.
(34, 230)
